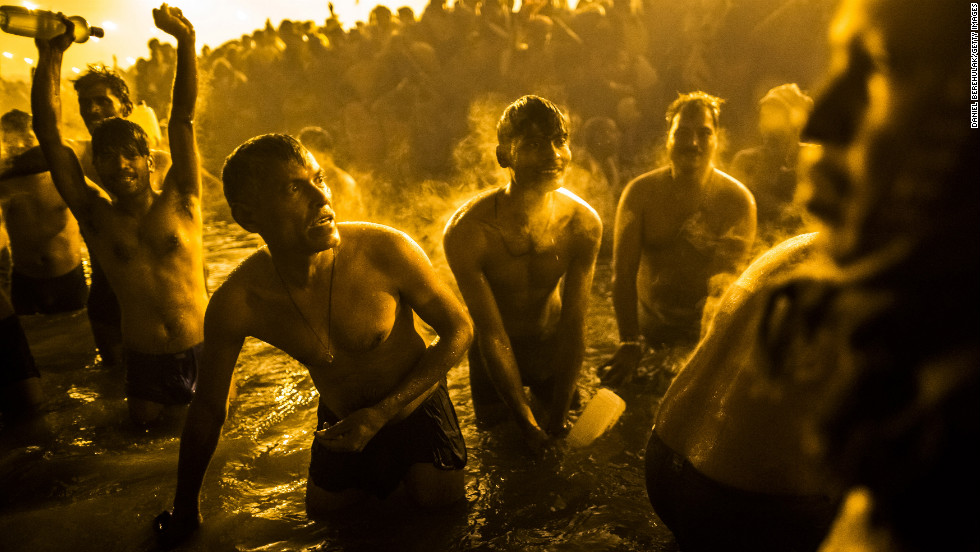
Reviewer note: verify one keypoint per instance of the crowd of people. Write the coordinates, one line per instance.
(827, 381)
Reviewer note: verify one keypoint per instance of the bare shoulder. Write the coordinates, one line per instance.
(470, 223)
(647, 185)
(378, 243)
(585, 218)
(728, 189)
(252, 275)
(478, 208)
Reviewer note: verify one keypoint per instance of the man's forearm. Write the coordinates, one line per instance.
(185, 81)
(198, 442)
(626, 305)
(438, 358)
(29, 163)
(46, 98)
(501, 367)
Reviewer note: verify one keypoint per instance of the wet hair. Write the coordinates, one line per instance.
(16, 120)
(712, 103)
(100, 74)
(118, 135)
(316, 138)
(249, 164)
(520, 116)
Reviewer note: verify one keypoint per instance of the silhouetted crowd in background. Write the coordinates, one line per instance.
(410, 98)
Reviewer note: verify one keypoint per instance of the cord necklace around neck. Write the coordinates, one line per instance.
(325, 345)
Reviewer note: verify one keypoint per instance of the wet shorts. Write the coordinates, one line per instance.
(64, 293)
(706, 515)
(16, 360)
(103, 307)
(429, 435)
(533, 356)
(164, 379)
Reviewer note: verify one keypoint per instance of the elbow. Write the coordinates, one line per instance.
(465, 335)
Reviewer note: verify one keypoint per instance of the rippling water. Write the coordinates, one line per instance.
(83, 478)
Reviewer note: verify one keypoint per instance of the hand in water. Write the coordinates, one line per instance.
(353, 432)
(173, 528)
(621, 368)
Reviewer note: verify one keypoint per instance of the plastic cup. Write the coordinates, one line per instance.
(599, 415)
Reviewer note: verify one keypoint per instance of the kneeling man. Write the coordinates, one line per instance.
(344, 308)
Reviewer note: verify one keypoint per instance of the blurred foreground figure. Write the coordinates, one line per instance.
(676, 228)
(149, 242)
(341, 299)
(879, 343)
(900, 325)
(771, 170)
(523, 256)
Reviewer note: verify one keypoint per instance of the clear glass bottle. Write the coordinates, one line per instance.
(43, 24)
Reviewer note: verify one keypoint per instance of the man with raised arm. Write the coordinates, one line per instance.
(523, 256)
(341, 299)
(149, 241)
(676, 228)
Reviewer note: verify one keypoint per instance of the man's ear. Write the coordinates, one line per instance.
(150, 164)
(244, 215)
(503, 156)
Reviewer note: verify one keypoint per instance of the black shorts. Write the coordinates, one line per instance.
(103, 307)
(64, 293)
(16, 360)
(164, 379)
(706, 515)
(429, 435)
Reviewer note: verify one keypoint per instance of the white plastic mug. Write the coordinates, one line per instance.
(599, 415)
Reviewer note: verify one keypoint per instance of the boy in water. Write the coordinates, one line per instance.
(523, 256)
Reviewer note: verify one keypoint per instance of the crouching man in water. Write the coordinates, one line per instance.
(344, 308)
(523, 255)
(148, 242)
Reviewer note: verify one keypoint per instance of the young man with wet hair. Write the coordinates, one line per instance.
(149, 241)
(676, 228)
(341, 298)
(523, 255)
(45, 243)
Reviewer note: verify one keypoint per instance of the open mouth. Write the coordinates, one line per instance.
(325, 219)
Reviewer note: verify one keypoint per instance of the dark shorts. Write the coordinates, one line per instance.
(164, 379)
(64, 293)
(527, 352)
(16, 360)
(429, 435)
(103, 307)
(705, 515)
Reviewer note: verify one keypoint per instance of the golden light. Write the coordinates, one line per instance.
(8, 55)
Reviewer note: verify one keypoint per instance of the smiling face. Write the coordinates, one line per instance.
(124, 173)
(539, 158)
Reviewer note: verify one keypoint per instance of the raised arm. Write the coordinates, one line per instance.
(463, 243)
(223, 339)
(429, 297)
(185, 170)
(66, 171)
(627, 248)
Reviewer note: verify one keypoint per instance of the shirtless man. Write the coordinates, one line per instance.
(676, 228)
(341, 299)
(523, 256)
(102, 93)
(770, 170)
(45, 242)
(149, 241)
